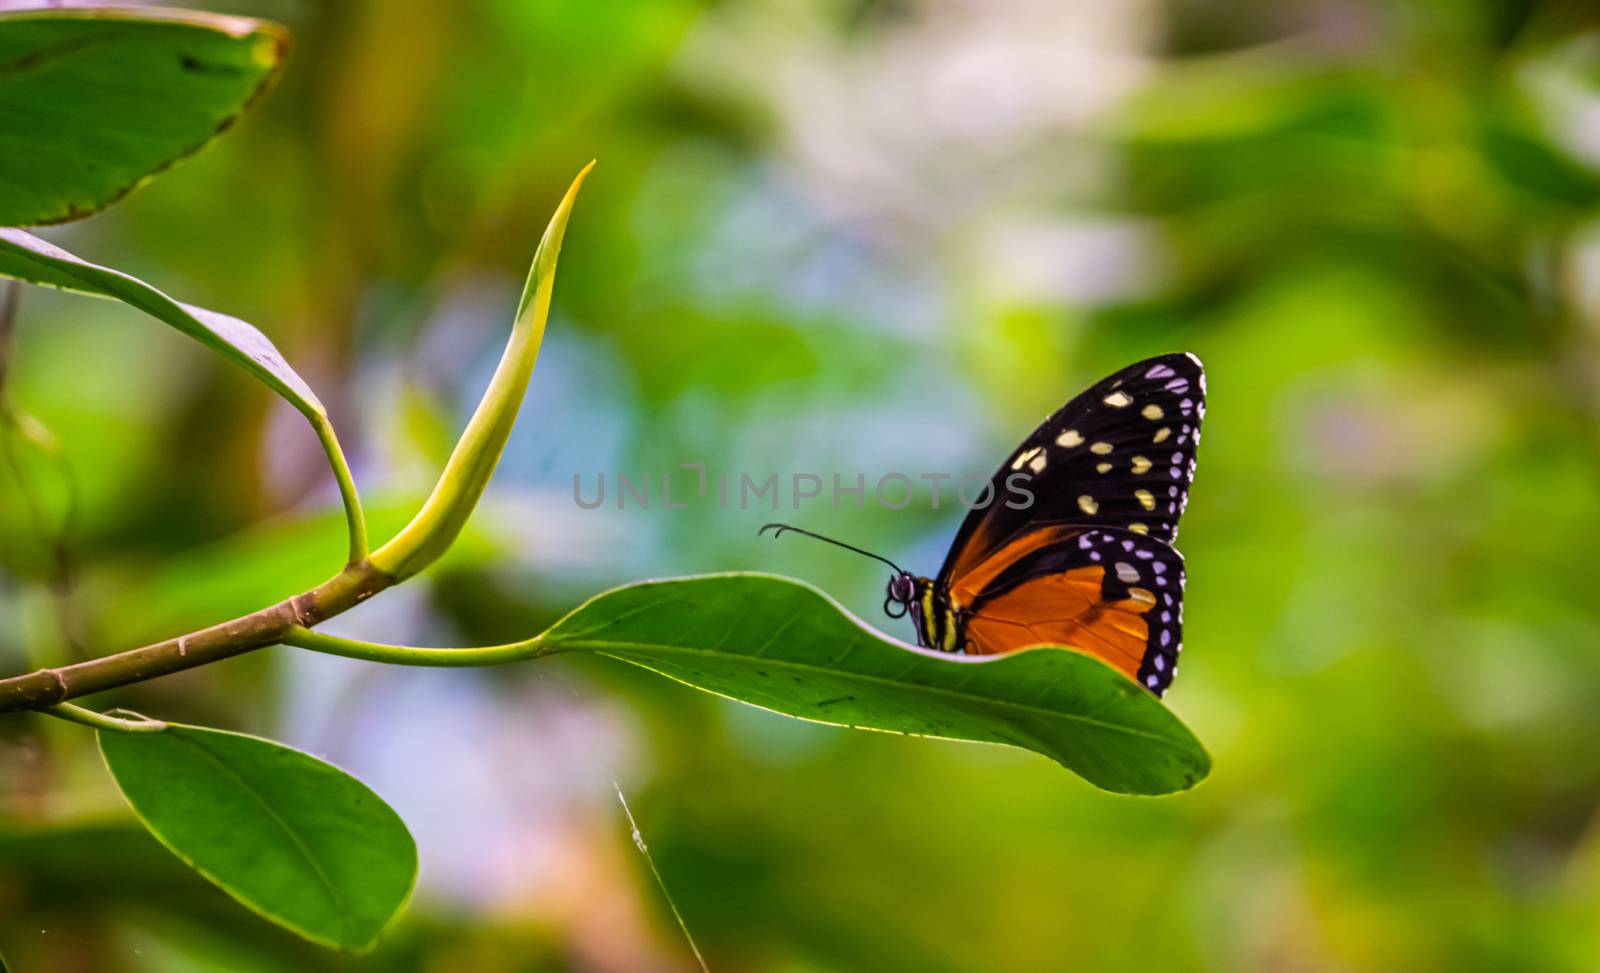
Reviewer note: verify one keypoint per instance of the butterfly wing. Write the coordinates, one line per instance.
(1112, 593)
(1119, 455)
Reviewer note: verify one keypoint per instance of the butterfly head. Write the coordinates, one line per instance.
(904, 590)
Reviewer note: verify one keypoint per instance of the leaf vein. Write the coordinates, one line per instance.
(276, 817)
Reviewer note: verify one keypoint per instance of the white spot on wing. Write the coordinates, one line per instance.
(1025, 457)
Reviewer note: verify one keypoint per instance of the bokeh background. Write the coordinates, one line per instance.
(859, 236)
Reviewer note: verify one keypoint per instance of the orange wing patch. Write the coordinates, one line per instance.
(968, 581)
(1066, 609)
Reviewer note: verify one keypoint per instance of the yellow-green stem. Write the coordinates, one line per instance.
(103, 721)
(405, 655)
(355, 520)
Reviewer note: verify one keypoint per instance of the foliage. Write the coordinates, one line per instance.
(26, 257)
(99, 100)
(297, 839)
(841, 237)
(294, 838)
(786, 647)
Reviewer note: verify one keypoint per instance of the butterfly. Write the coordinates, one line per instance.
(1089, 562)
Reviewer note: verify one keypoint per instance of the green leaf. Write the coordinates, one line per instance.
(782, 645)
(28, 258)
(296, 839)
(93, 102)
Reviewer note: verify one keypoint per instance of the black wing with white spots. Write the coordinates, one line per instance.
(1121, 454)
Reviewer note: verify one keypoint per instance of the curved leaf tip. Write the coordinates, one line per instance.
(472, 462)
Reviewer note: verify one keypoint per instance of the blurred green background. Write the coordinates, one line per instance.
(854, 236)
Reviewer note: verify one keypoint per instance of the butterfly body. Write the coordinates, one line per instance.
(1089, 563)
(940, 622)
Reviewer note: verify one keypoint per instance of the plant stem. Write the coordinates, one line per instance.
(103, 721)
(44, 688)
(429, 534)
(355, 520)
(404, 655)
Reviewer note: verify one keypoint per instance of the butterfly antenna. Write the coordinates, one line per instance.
(778, 529)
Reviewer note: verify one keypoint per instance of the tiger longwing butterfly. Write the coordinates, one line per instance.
(1089, 564)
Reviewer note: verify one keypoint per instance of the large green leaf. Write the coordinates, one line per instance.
(93, 102)
(783, 645)
(28, 258)
(296, 839)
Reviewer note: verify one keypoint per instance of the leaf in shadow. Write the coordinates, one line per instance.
(96, 101)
